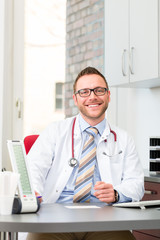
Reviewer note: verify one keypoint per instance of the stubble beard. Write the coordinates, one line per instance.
(88, 115)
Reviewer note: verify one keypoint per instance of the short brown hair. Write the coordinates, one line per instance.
(88, 71)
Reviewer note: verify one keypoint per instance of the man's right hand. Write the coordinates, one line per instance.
(38, 196)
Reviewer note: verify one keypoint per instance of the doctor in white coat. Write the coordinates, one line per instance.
(54, 158)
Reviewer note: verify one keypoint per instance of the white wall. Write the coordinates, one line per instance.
(1, 72)
(6, 74)
(137, 111)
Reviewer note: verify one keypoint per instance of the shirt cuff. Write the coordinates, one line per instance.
(123, 198)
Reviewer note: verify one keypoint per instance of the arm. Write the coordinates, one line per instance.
(40, 158)
(132, 176)
(124, 172)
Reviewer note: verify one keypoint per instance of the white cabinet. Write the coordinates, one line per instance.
(131, 41)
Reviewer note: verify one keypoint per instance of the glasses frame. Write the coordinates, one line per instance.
(92, 90)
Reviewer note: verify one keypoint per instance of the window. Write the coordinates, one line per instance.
(59, 93)
(44, 63)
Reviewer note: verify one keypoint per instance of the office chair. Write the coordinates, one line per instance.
(29, 141)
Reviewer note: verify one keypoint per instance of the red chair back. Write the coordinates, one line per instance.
(29, 141)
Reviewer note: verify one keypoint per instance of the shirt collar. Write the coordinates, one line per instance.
(84, 125)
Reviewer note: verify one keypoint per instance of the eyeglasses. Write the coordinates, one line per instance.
(98, 91)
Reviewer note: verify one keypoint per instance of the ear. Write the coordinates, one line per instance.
(75, 99)
(109, 96)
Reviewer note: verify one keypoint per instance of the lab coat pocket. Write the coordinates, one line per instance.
(117, 159)
(114, 159)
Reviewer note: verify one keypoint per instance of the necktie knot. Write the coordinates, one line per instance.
(92, 131)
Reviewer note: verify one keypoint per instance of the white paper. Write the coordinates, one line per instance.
(81, 207)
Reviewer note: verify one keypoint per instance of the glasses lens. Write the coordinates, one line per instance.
(84, 92)
(99, 91)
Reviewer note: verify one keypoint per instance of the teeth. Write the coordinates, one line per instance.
(93, 105)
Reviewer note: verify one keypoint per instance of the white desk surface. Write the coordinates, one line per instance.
(59, 218)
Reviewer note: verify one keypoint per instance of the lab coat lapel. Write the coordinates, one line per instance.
(103, 160)
(77, 138)
(105, 169)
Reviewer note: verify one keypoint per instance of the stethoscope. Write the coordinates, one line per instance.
(73, 161)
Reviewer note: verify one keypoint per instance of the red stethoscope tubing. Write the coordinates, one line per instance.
(113, 132)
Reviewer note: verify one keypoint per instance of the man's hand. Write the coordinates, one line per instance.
(104, 192)
(38, 196)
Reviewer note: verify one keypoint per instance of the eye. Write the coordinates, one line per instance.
(100, 90)
(84, 91)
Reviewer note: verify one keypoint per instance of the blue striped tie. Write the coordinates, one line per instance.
(83, 183)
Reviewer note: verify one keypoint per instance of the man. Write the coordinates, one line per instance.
(115, 173)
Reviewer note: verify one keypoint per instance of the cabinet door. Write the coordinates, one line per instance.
(152, 190)
(143, 39)
(144, 236)
(116, 41)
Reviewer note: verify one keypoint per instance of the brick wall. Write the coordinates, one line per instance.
(84, 43)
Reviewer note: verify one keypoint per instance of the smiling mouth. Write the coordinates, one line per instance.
(93, 105)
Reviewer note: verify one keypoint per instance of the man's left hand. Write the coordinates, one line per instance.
(104, 192)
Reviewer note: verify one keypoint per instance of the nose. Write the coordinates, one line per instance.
(92, 95)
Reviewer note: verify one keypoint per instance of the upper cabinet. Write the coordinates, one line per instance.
(131, 43)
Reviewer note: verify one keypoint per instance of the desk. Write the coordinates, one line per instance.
(59, 218)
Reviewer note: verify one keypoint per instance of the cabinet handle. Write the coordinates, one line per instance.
(19, 108)
(123, 62)
(131, 60)
(150, 192)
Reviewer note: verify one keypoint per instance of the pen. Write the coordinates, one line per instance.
(39, 196)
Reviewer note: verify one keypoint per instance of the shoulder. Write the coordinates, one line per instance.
(58, 126)
(119, 130)
(122, 134)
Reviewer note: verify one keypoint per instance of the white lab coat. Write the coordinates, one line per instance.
(49, 157)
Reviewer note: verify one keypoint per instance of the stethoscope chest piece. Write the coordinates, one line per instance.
(73, 162)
